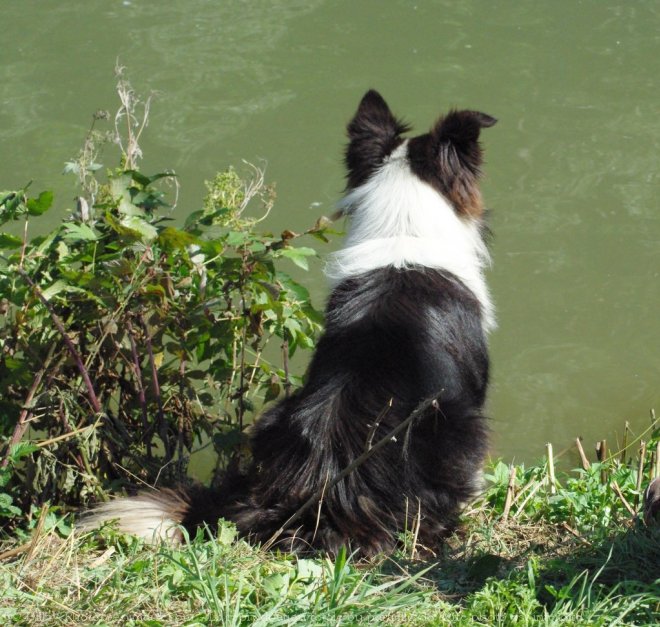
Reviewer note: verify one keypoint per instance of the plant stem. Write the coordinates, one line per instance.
(551, 469)
(140, 387)
(93, 399)
(26, 413)
(285, 365)
(156, 388)
(509, 492)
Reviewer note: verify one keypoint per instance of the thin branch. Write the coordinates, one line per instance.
(67, 435)
(376, 424)
(241, 376)
(640, 471)
(93, 399)
(617, 490)
(156, 388)
(285, 364)
(26, 412)
(140, 386)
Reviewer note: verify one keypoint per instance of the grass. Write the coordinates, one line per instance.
(574, 552)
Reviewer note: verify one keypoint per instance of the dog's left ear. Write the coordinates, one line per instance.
(374, 132)
(459, 131)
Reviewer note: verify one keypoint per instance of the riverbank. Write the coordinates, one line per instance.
(532, 551)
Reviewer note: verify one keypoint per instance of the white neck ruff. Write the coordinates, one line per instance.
(399, 220)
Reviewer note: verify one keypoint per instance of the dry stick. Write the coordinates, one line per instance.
(37, 533)
(67, 435)
(358, 461)
(640, 471)
(617, 490)
(583, 458)
(526, 500)
(25, 240)
(241, 381)
(418, 524)
(601, 454)
(551, 468)
(11, 553)
(93, 399)
(626, 429)
(509, 492)
(575, 533)
(183, 408)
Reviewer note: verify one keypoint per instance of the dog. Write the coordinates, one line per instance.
(405, 345)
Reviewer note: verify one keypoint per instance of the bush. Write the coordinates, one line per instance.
(126, 340)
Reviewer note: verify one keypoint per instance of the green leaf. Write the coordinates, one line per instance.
(41, 204)
(193, 218)
(79, 232)
(21, 449)
(11, 363)
(144, 180)
(10, 241)
(71, 167)
(172, 238)
(61, 286)
(237, 238)
(138, 177)
(140, 226)
(6, 507)
(120, 189)
(298, 255)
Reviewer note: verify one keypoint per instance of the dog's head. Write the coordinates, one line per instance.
(448, 157)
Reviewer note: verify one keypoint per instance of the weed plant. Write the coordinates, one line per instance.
(128, 341)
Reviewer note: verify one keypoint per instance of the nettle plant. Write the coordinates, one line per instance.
(126, 341)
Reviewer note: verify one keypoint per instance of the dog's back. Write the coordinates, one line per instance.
(394, 338)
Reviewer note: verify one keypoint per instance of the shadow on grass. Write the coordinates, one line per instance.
(547, 558)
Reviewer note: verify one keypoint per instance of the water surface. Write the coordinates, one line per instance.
(572, 173)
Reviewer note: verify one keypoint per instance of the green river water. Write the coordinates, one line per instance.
(572, 172)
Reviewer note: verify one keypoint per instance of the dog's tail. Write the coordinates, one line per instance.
(158, 515)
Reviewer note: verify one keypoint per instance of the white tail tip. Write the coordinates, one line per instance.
(152, 516)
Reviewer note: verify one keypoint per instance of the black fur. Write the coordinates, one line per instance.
(393, 338)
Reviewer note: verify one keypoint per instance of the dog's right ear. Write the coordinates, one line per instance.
(373, 134)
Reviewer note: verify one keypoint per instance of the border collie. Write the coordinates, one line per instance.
(406, 322)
